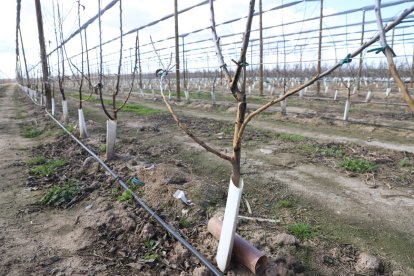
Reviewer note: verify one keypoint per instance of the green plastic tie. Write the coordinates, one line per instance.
(382, 49)
(347, 59)
(243, 64)
(224, 65)
(137, 182)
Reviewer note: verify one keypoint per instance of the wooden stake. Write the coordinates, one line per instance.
(43, 54)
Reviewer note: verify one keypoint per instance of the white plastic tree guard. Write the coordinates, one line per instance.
(369, 96)
(83, 132)
(213, 97)
(228, 230)
(110, 138)
(346, 111)
(336, 94)
(53, 106)
(387, 91)
(65, 115)
(187, 95)
(283, 107)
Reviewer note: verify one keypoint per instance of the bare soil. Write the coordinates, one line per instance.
(287, 181)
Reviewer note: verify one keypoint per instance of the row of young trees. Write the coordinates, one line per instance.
(236, 81)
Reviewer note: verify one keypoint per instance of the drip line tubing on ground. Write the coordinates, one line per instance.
(138, 200)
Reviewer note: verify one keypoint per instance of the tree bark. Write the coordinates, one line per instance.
(177, 53)
(389, 54)
(43, 58)
(318, 84)
(261, 49)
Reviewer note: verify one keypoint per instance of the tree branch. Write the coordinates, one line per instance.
(245, 44)
(216, 41)
(296, 89)
(389, 55)
(187, 131)
(133, 75)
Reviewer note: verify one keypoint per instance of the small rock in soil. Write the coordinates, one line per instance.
(201, 271)
(368, 264)
(286, 239)
(148, 231)
(178, 179)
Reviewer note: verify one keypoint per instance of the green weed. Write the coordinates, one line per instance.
(126, 196)
(35, 161)
(140, 109)
(70, 128)
(48, 168)
(290, 137)
(331, 151)
(285, 203)
(149, 244)
(184, 222)
(227, 130)
(405, 162)
(102, 148)
(31, 132)
(151, 257)
(301, 230)
(134, 108)
(60, 194)
(357, 165)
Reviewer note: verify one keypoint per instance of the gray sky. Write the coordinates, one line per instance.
(139, 13)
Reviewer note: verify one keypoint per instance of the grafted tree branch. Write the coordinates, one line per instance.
(390, 60)
(296, 89)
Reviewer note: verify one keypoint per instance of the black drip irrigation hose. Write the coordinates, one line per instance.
(138, 200)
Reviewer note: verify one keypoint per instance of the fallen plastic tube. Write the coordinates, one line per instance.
(138, 200)
(246, 253)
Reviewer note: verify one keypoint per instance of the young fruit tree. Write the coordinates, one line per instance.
(237, 87)
(60, 61)
(111, 123)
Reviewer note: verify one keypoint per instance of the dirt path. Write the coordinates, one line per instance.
(30, 241)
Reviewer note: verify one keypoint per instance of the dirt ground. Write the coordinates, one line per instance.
(355, 223)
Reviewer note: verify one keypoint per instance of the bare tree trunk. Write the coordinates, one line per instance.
(19, 76)
(177, 53)
(389, 54)
(43, 54)
(318, 84)
(412, 70)
(261, 49)
(360, 56)
(24, 58)
(139, 63)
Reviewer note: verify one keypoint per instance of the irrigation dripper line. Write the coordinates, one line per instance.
(138, 200)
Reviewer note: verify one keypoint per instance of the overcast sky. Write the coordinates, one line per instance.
(139, 13)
